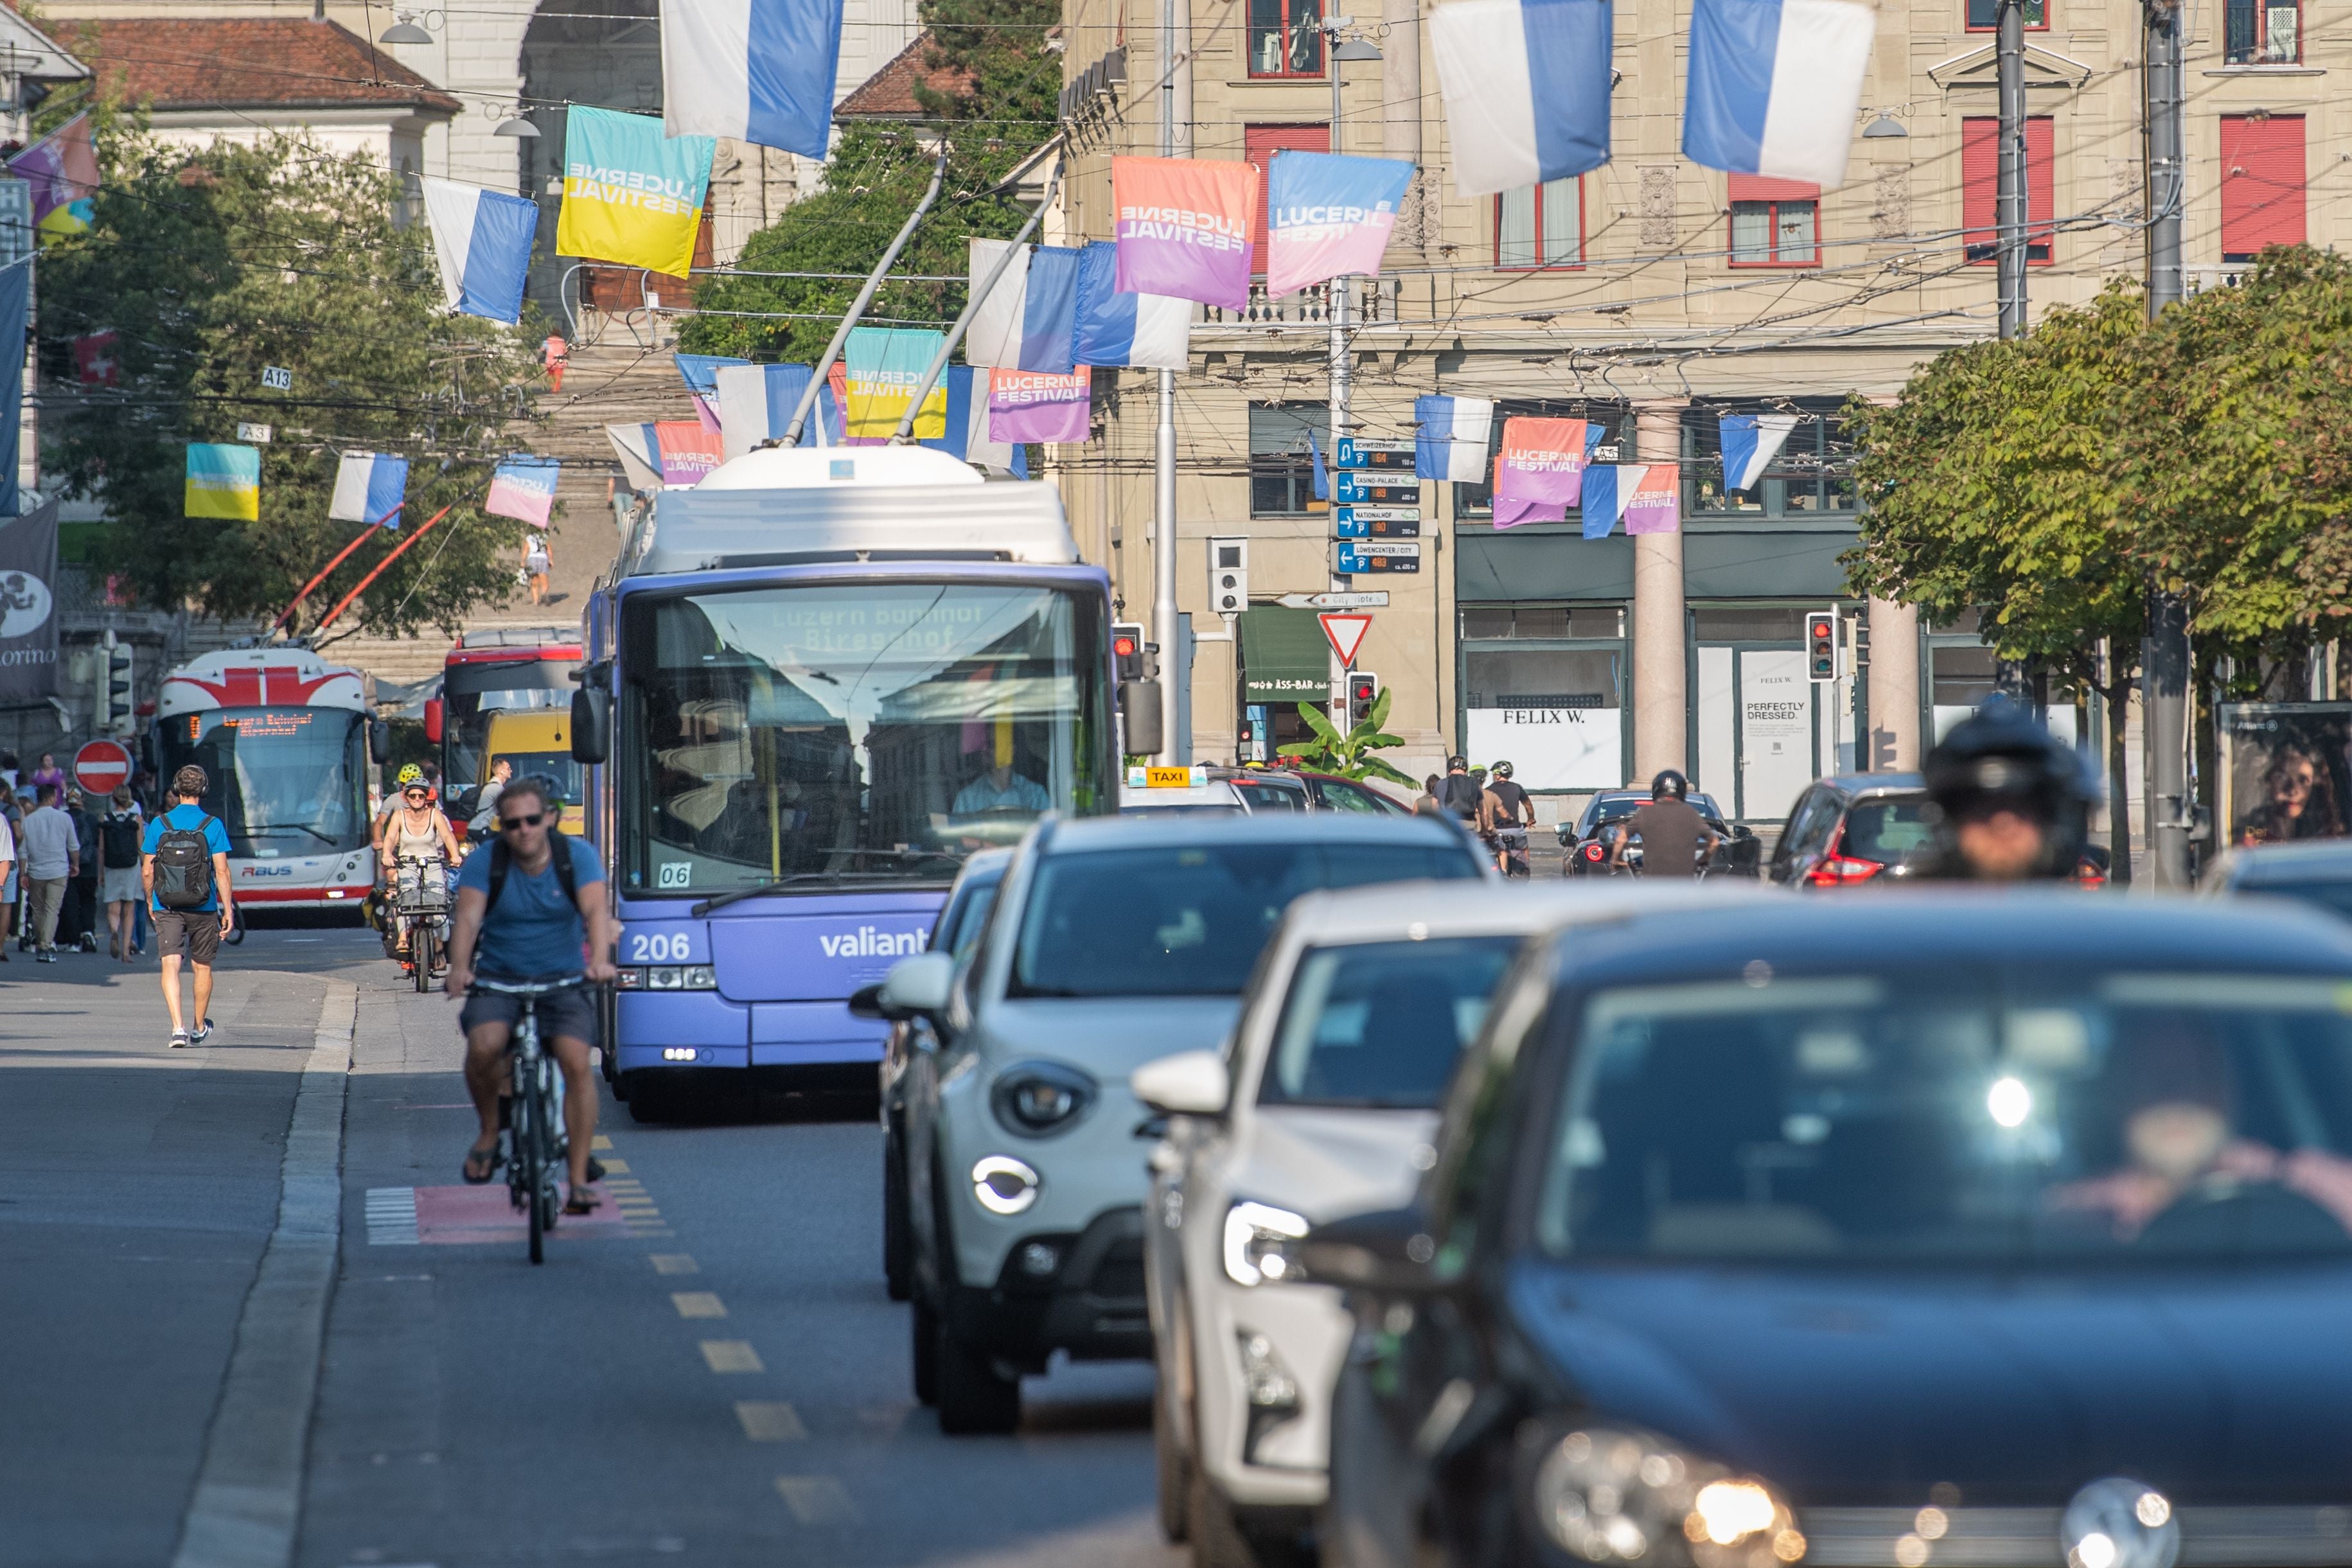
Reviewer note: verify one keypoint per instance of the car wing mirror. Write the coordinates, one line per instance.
(1189, 1084)
(865, 1003)
(916, 987)
(1389, 1249)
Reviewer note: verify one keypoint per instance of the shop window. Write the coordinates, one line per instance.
(2262, 32)
(1616, 445)
(1540, 227)
(1285, 38)
(1748, 623)
(1981, 185)
(1809, 475)
(1259, 144)
(1557, 716)
(1525, 622)
(1774, 222)
(2262, 183)
(1962, 676)
(1282, 460)
(1984, 15)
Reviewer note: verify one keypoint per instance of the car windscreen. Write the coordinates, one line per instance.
(1886, 830)
(966, 916)
(2336, 897)
(1951, 1116)
(1379, 1024)
(1186, 919)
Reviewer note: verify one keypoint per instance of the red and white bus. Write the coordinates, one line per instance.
(504, 669)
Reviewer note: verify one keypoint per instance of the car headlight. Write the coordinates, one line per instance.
(1038, 1099)
(1608, 1495)
(1002, 1185)
(1261, 1244)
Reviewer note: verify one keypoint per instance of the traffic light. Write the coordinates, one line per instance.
(1362, 687)
(1229, 576)
(1126, 648)
(114, 699)
(1821, 646)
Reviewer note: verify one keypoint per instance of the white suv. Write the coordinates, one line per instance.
(1321, 1106)
(1112, 942)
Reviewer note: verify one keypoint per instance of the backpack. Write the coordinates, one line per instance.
(1460, 796)
(118, 833)
(184, 867)
(558, 848)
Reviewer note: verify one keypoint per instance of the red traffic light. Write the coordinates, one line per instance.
(1123, 646)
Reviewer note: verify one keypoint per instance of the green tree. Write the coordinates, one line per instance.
(1349, 755)
(210, 266)
(1989, 488)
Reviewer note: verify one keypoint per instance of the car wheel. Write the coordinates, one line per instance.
(925, 1348)
(975, 1397)
(898, 1270)
(1174, 1470)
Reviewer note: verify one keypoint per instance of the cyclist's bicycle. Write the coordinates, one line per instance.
(421, 909)
(537, 1151)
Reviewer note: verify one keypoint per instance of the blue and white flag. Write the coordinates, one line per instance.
(967, 436)
(369, 488)
(701, 371)
(1322, 475)
(1146, 330)
(1775, 85)
(1026, 322)
(757, 70)
(482, 240)
(756, 403)
(1450, 438)
(1750, 441)
(1601, 503)
(1526, 84)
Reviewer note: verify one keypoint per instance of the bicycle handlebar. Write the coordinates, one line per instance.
(527, 987)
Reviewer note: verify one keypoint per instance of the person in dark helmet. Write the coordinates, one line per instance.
(1670, 828)
(2011, 802)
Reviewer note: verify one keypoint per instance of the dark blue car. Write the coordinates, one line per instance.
(1931, 1232)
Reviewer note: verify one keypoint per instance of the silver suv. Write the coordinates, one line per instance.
(1113, 942)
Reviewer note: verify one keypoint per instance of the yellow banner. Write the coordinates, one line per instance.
(631, 194)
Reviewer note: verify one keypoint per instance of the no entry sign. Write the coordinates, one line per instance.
(101, 767)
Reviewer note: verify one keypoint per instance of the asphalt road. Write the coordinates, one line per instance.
(709, 1374)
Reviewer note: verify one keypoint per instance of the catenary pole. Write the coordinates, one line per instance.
(2010, 197)
(1164, 622)
(906, 431)
(2164, 693)
(1341, 291)
(810, 393)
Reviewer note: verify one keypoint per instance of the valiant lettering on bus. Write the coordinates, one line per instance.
(867, 942)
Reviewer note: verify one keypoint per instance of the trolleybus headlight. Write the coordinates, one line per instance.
(672, 978)
(1004, 1184)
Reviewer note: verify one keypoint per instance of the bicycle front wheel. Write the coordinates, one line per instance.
(531, 1156)
(420, 948)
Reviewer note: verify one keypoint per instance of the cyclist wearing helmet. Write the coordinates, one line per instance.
(2012, 800)
(1670, 830)
(1503, 814)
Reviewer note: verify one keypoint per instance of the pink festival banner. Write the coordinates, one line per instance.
(1184, 227)
(687, 451)
(1038, 405)
(1656, 504)
(1540, 472)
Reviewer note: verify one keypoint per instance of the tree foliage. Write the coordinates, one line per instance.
(1349, 755)
(208, 266)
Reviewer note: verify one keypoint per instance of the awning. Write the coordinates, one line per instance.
(1285, 656)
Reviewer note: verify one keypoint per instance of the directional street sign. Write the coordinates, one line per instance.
(1372, 599)
(1366, 556)
(100, 766)
(1355, 454)
(1376, 522)
(1346, 634)
(1377, 489)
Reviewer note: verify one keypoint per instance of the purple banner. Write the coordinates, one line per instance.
(1184, 227)
(1656, 506)
(1038, 405)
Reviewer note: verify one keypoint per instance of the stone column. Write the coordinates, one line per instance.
(1661, 678)
(1893, 687)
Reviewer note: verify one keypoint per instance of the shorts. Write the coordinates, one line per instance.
(192, 932)
(123, 886)
(1513, 841)
(570, 1011)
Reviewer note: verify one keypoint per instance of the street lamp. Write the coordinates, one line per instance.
(1886, 125)
(518, 126)
(404, 31)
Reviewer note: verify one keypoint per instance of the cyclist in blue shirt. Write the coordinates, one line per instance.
(533, 933)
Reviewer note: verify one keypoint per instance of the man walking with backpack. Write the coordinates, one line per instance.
(184, 867)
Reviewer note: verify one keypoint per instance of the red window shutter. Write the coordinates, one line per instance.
(1980, 181)
(1262, 141)
(2263, 179)
(1758, 188)
(2041, 185)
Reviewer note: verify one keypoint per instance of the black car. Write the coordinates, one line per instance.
(1587, 843)
(1958, 1230)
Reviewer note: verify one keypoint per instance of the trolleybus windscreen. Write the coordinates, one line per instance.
(284, 781)
(876, 732)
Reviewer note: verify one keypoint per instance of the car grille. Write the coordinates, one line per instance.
(2028, 1537)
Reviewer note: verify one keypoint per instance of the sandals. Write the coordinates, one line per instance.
(486, 1161)
(581, 1201)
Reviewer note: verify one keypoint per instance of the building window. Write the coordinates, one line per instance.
(1984, 15)
(1981, 185)
(1285, 38)
(1809, 475)
(1282, 460)
(1774, 222)
(1259, 144)
(1539, 226)
(2262, 183)
(1472, 502)
(2263, 32)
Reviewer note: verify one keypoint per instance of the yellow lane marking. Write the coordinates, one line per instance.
(732, 1356)
(599, 1143)
(770, 1421)
(697, 1304)
(817, 1499)
(616, 1168)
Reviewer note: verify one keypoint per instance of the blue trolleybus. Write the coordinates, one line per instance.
(820, 679)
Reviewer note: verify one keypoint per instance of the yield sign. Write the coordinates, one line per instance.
(1347, 634)
(101, 766)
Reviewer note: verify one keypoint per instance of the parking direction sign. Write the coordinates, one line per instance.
(101, 767)
(1355, 453)
(1376, 490)
(1376, 522)
(1368, 556)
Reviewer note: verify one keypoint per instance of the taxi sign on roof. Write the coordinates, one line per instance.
(1194, 778)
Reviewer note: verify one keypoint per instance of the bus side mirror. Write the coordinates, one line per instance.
(592, 726)
(1138, 707)
(433, 720)
(379, 741)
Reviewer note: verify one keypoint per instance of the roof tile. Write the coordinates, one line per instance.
(246, 62)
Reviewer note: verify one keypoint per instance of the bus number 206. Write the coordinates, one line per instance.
(660, 947)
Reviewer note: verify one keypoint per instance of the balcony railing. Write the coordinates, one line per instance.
(1376, 299)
